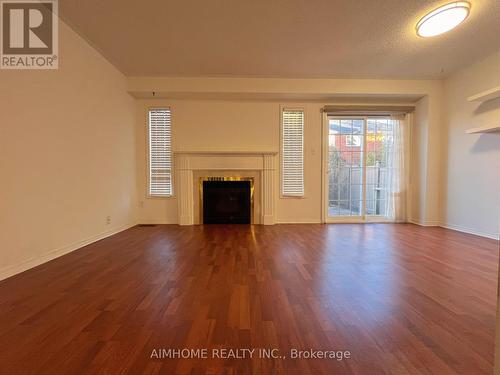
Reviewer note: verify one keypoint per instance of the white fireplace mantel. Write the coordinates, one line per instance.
(187, 161)
(225, 152)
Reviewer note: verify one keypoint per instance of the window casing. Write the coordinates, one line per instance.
(292, 153)
(160, 152)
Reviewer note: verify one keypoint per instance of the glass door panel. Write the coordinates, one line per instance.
(345, 167)
(379, 156)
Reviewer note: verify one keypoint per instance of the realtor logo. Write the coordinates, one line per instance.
(29, 34)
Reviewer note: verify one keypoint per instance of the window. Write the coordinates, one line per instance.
(160, 152)
(292, 153)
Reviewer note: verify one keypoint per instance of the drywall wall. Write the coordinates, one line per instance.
(232, 114)
(471, 177)
(67, 156)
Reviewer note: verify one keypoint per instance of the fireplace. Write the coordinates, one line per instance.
(195, 166)
(226, 200)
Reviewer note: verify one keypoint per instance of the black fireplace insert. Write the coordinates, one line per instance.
(226, 202)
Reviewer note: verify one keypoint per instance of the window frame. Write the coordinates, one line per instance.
(148, 155)
(284, 108)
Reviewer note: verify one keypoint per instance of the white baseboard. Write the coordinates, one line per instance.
(156, 221)
(12, 270)
(426, 223)
(298, 221)
(460, 228)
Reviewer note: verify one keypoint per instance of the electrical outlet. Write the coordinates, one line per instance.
(108, 220)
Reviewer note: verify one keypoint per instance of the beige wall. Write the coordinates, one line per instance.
(471, 178)
(67, 156)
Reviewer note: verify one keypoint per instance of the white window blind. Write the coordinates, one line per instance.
(292, 153)
(160, 153)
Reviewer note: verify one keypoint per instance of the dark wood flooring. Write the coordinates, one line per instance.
(401, 299)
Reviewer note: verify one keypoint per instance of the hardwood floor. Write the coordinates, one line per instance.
(400, 298)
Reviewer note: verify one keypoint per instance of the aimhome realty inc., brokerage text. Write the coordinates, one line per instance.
(248, 353)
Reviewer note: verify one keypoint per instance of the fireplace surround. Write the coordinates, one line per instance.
(190, 166)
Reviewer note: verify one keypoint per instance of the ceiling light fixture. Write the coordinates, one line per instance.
(443, 19)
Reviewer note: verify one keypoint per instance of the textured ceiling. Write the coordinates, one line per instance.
(280, 38)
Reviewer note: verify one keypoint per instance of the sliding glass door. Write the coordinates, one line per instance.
(360, 153)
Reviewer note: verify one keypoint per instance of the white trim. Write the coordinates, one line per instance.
(425, 223)
(486, 95)
(324, 167)
(254, 151)
(345, 219)
(458, 228)
(56, 253)
(264, 164)
(463, 229)
(157, 221)
(368, 219)
(490, 128)
(298, 221)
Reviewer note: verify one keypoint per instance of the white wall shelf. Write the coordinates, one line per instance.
(485, 95)
(484, 129)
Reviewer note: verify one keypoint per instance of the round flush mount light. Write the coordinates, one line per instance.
(443, 19)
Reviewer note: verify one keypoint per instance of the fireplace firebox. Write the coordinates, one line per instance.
(226, 200)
